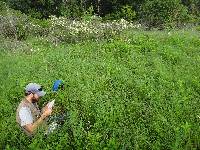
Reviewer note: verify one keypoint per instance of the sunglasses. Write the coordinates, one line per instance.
(40, 89)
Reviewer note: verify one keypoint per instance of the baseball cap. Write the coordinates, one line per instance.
(35, 89)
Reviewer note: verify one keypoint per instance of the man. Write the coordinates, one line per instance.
(28, 116)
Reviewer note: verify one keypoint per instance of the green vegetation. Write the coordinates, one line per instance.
(152, 13)
(131, 71)
(138, 90)
(164, 14)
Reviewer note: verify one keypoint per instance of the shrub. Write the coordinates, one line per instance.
(128, 13)
(18, 26)
(140, 91)
(198, 28)
(157, 13)
(73, 31)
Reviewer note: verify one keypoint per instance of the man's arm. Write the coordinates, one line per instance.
(33, 126)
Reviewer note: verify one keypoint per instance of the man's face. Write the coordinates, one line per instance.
(35, 98)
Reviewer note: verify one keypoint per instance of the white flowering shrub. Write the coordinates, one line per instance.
(67, 30)
(18, 26)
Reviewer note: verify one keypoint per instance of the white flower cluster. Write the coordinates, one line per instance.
(64, 27)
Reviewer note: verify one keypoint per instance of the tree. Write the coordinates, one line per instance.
(38, 9)
(193, 6)
(158, 13)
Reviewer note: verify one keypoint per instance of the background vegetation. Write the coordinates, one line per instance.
(131, 72)
(137, 91)
(154, 13)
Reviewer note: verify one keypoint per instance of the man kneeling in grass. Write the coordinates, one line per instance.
(28, 114)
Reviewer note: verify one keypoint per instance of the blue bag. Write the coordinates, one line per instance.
(57, 84)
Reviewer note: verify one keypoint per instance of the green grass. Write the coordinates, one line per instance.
(140, 90)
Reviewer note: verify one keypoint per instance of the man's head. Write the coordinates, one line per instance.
(35, 91)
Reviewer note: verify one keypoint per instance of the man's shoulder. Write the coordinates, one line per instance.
(23, 103)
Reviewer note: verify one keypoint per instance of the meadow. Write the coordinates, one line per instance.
(136, 90)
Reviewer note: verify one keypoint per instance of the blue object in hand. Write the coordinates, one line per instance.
(56, 85)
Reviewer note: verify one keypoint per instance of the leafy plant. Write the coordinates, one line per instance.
(159, 14)
(127, 13)
(139, 90)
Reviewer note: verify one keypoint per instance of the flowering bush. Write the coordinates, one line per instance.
(78, 30)
(18, 26)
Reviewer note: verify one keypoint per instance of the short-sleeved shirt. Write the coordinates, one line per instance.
(25, 116)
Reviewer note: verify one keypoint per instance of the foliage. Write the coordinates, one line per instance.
(125, 88)
(66, 30)
(126, 12)
(38, 9)
(198, 28)
(156, 13)
(153, 13)
(72, 9)
(137, 91)
(89, 14)
(193, 6)
(18, 26)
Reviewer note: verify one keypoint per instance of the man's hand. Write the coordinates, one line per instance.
(46, 112)
(45, 108)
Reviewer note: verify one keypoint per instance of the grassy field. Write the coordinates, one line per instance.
(140, 90)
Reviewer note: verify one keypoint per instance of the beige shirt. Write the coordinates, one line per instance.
(27, 113)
